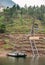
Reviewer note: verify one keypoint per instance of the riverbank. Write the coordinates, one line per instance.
(4, 54)
(20, 42)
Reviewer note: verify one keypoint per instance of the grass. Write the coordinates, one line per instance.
(19, 27)
(22, 25)
(6, 46)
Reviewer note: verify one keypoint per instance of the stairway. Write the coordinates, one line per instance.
(34, 48)
(32, 40)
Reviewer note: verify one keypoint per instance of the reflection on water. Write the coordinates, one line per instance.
(34, 60)
(22, 61)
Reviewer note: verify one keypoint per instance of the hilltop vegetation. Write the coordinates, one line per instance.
(19, 20)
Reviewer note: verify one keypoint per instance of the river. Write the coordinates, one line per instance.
(22, 61)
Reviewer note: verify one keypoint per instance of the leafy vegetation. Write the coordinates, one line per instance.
(2, 28)
(19, 20)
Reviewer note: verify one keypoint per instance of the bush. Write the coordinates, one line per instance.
(2, 28)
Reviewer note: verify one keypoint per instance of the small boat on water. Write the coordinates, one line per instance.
(16, 54)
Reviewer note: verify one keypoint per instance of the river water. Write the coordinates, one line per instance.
(22, 61)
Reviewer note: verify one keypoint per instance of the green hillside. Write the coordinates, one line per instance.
(20, 20)
(25, 27)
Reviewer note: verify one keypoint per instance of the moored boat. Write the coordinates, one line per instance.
(17, 54)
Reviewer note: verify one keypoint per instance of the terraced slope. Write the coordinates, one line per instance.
(20, 42)
(23, 44)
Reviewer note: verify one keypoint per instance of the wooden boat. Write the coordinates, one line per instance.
(16, 54)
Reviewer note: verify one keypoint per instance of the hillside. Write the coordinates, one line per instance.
(16, 25)
(19, 20)
(24, 26)
(21, 42)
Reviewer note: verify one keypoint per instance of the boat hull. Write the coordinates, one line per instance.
(17, 55)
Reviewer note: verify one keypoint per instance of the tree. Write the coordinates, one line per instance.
(2, 28)
(30, 11)
(18, 7)
(9, 14)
